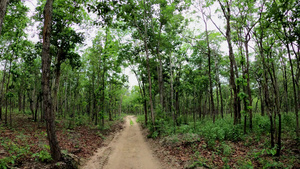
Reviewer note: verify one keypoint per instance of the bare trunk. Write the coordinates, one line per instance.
(221, 100)
(148, 67)
(10, 113)
(46, 61)
(248, 85)
(212, 109)
(160, 77)
(200, 105)
(109, 106)
(3, 5)
(6, 91)
(172, 95)
(2, 89)
(294, 88)
(236, 106)
(145, 104)
(57, 79)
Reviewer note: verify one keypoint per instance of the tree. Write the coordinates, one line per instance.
(3, 6)
(47, 103)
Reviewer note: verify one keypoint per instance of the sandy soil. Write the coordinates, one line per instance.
(126, 150)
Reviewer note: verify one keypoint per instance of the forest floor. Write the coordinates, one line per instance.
(24, 145)
(190, 152)
(127, 150)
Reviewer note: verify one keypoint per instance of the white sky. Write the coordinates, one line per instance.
(197, 26)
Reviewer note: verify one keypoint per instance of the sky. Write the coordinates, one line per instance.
(196, 25)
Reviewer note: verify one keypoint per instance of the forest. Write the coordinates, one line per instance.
(217, 81)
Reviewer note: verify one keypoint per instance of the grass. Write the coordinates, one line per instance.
(131, 122)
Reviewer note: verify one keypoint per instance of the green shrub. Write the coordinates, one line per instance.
(43, 155)
(14, 150)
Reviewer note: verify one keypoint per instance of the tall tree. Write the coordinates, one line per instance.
(47, 101)
(3, 6)
(226, 9)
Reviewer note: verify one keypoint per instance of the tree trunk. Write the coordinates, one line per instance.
(160, 77)
(294, 88)
(212, 109)
(172, 95)
(285, 89)
(46, 62)
(57, 79)
(221, 99)
(2, 89)
(148, 67)
(36, 108)
(262, 107)
(24, 101)
(6, 91)
(19, 101)
(248, 83)
(3, 5)
(200, 106)
(266, 90)
(226, 12)
(109, 105)
(10, 113)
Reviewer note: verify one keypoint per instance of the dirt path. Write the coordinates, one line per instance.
(127, 150)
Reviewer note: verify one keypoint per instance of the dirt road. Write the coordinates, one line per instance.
(127, 150)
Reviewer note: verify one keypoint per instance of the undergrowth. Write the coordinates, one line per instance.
(218, 135)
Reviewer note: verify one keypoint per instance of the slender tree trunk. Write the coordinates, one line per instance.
(3, 6)
(256, 105)
(145, 104)
(262, 107)
(109, 106)
(205, 107)
(266, 90)
(294, 88)
(218, 89)
(148, 68)
(20, 100)
(200, 105)
(279, 135)
(278, 110)
(226, 12)
(160, 77)
(212, 109)
(172, 93)
(24, 101)
(31, 103)
(57, 79)
(10, 113)
(285, 89)
(221, 100)
(36, 107)
(2, 89)
(46, 61)
(248, 83)
(6, 91)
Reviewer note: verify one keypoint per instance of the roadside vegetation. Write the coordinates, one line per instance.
(224, 145)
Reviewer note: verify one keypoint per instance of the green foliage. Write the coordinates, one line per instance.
(15, 151)
(244, 164)
(81, 120)
(226, 149)
(43, 155)
(140, 119)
